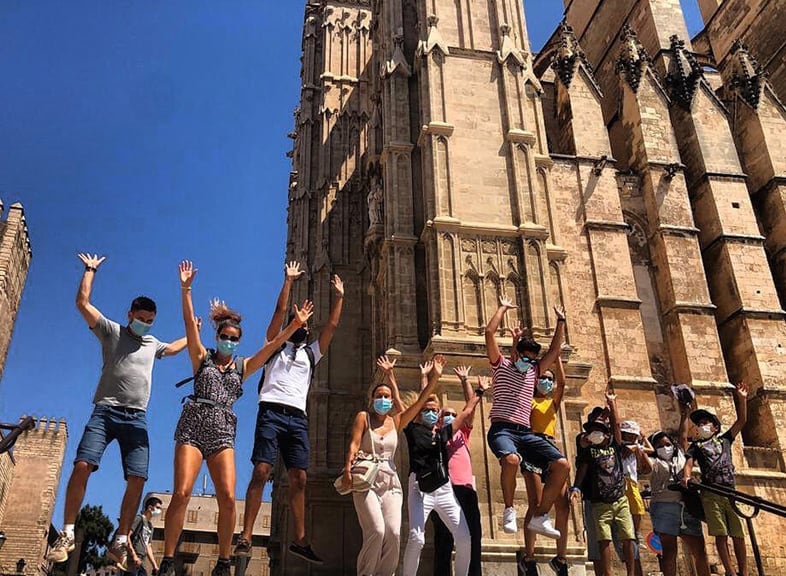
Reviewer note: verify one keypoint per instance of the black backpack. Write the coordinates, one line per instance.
(311, 362)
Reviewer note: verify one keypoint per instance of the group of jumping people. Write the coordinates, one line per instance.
(526, 390)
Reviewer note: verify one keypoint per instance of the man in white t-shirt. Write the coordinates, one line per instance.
(282, 424)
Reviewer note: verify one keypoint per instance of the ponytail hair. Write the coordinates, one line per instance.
(222, 316)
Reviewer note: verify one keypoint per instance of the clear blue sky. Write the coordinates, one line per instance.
(149, 132)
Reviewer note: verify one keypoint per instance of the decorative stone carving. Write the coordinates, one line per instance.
(569, 56)
(434, 39)
(748, 78)
(376, 203)
(508, 50)
(489, 247)
(510, 248)
(397, 62)
(633, 59)
(469, 245)
(685, 74)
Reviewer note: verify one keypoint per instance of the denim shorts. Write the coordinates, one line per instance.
(281, 428)
(507, 438)
(673, 519)
(128, 427)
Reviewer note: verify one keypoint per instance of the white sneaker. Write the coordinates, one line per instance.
(542, 525)
(509, 525)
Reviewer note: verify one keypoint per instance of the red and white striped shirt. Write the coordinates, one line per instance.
(512, 392)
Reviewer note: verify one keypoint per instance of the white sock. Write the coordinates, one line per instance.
(121, 538)
(68, 529)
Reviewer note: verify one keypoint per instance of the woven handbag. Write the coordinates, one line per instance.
(364, 469)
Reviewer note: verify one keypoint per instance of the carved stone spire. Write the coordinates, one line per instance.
(569, 56)
(748, 77)
(434, 39)
(685, 74)
(398, 62)
(633, 59)
(508, 49)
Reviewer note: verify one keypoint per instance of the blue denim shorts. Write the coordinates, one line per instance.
(128, 427)
(281, 428)
(507, 438)
(672, 519)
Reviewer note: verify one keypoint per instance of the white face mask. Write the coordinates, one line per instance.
(665, 452)
(156, 511)
(706, 431)
(596, 437)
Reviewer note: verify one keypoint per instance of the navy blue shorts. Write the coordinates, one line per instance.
(507, 438)
(128, 427)
(281, 428)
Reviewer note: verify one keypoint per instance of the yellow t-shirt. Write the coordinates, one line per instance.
(543, 418)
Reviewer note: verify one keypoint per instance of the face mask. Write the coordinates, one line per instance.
(299, 336)
(156, 511)
(523, 364)
(140, 328)
(429, 418)
(665, 452)
(226, 347)
(596, 437)
(448, 419)
(545, 386)
(382, 405)
(706, 431)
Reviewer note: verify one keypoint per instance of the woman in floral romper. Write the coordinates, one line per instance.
(207, 425)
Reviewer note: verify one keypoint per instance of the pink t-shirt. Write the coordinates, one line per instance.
(459, 462)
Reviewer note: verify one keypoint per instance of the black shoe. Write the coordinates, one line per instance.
(560, 566)
(242, 547)
(167, 567)
(530, 567)
(304, 552)
(222, 568)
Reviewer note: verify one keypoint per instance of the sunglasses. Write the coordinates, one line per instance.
(228, 337)
(450, 414)
(432, 410)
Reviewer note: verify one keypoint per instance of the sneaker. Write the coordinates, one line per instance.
(509, 525)
(559, 565)
(63, 546)
(118, 553)
(305, 552)
(242, 547)
(530, 567)
(167, 567)
(542, 525)
(222, 568)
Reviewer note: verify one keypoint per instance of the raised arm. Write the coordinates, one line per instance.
(90, 313)
(741, 393)
(258, 360)
(614, 417)
(358, 427)
(387, 365)
(326, 336)
(463, 375)
(551, 355)
(177, 346)
(683, 432)
(432, 371)
(687, 471)
(643, 463)
(559, 389)
(196, 351)
(465, 416)
(492, 348)
(292, 272)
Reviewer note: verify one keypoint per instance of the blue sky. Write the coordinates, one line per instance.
(149, 132)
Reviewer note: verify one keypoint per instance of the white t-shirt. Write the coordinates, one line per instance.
(630, 467)
(288, 376)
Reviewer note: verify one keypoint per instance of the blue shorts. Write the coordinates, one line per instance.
(673, 519)
(128, 427)
(506, 438)
(284, 428)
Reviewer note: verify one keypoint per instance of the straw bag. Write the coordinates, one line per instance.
(364, 469)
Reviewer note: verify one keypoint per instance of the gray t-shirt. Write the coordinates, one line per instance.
(665, 473)
(141, 535)
(128, 365)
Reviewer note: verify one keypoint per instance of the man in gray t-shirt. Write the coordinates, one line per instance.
(119, 413)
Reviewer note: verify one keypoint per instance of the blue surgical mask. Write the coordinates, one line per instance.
(448, 419)
(523, 364)
(140, 328)
(429, 418)
(226, 347)
(545, 386)
(382, 405)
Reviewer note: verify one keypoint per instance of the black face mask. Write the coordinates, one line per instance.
(299, 336)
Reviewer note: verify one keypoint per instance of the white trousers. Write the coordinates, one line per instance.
(443, 502)
(379, 514)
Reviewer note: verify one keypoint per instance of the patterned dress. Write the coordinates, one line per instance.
(207, 421)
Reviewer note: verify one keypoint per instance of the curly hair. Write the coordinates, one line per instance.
(222, 316)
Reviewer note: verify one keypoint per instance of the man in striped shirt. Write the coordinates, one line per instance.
(510, 436)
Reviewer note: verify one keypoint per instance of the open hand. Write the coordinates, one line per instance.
(187, 273)
(741, 390)
(426, 367)
(292, 270)
(575, 495)
(462, 372)
(484, 382)
(303, 313)
(560, 312)
(439, 364)
(198, 322)
(611, 397)
(91, 261)
(506, 303)
(386, 364)
(338, 284)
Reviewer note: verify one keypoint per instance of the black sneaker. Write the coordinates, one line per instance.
(167, 567)
(559, 565)
(530, 567)
(222, 568)
(304, 552)
(242, 547)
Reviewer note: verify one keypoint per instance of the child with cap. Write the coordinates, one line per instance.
(603, 462)
(634, 460)
(713, 453)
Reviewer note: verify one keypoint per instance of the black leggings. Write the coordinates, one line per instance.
(443, 539)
